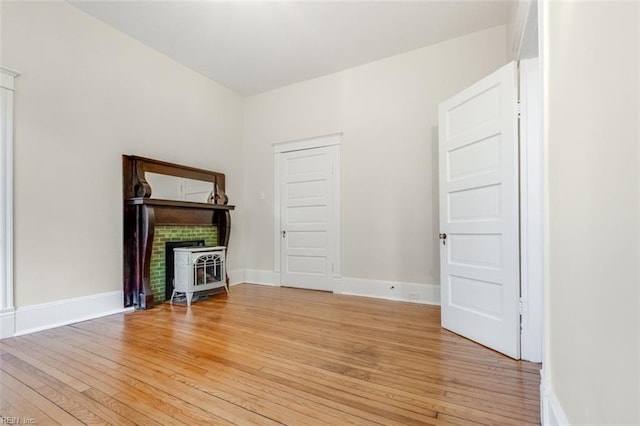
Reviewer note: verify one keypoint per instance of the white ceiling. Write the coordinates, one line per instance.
(254, 46)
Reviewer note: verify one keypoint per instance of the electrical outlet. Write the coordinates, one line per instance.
(414, 296)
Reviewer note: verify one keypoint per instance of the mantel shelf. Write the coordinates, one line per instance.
(174, 203)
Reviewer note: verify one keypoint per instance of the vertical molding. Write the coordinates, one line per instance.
(7, 316)
(543, 69)
(337, 212)
(276, 211)
(525, 48)
(531, 224)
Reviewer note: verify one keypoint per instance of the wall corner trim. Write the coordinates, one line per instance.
(31, 319)
(552, 413)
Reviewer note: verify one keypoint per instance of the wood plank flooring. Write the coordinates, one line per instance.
(265, 355)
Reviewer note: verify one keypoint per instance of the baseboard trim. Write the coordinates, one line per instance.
(7, 323)
(390, 290)
(262, 276)
(31, 319)
(236, 277)
(552, 413)
(428, 294)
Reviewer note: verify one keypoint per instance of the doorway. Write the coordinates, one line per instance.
(307, 211)
(527, 343)
(479, 212)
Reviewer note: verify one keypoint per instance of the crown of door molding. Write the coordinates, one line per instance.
(307, 143)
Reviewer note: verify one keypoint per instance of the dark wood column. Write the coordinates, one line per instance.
(222, 220)
(147, 223)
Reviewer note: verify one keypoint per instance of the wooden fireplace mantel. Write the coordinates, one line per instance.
(142, 214)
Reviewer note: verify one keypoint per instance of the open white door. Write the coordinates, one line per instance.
(479, 247)
(306, 209)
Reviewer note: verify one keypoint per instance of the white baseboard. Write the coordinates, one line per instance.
(552, 412)
(391, 290)
(401, 291)
(262, 276)
(7, 323)
(55, 314)
(236, 277)
(31, 319)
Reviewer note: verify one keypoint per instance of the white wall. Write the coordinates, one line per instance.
(518, 11)
(87, 95)
(592, 82)
(388, 113)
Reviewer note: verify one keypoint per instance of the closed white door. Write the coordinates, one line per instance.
(306, 209)
(479, 244)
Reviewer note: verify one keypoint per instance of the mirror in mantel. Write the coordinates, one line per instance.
(166, 187)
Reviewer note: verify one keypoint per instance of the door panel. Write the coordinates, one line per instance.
(306, 207)
(475, 204)
(483, 108)
(307, 239)
(478, 160)
(474, 159)
(476, 250)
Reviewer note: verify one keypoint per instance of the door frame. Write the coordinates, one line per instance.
(333, 139)
(7, 307)
(531, 212)
(526, 46)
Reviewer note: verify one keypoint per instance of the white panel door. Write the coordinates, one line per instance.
(306, 208)
(479, 247)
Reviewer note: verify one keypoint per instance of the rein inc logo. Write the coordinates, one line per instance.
(6, 420)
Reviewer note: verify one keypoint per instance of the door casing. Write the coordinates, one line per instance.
(531, 212)
(334, 139)
(532, 182)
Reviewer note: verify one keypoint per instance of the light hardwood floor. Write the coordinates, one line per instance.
(265, 355)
